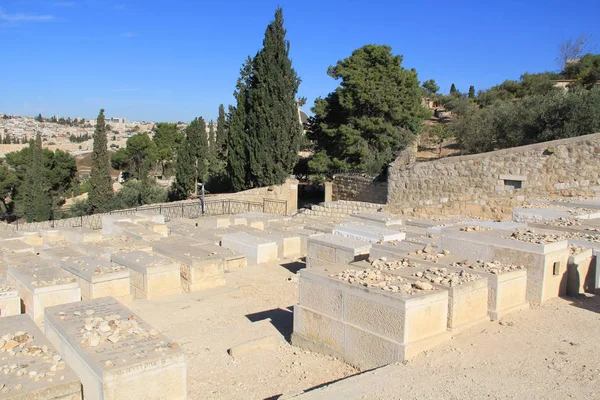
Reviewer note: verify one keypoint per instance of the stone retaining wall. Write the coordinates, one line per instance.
(567, 167)
(359, 188)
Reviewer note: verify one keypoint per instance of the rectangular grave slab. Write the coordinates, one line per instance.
(337, 249)
(135, 363)
(257, 250)
(12, 246)
(117, 244)
(81, 235)
(99, 278)
(383, 220)
(39, 373)
(51, 235)
(215, 222)
(152, 275)
(43, 285)
(133, 231)
(200, 269)
(368, 233)
(546, 263)
(161, 229)
(60, 253)
(288, 243)
(10, 302)
(366, 327)
(151, 216)
(108, 222)
(33, 238)
(393, 250)
(232, 260)
(467, 302)
(581, 273)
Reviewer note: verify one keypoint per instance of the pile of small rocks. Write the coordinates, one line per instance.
(53, 282)
(5, 287)
(585, 236)
(109, 329)
(562, 221)
(384, 265)
(108, 270)
(16, 349)
(574, 249)
(493, 267)
(376, 279)
(442, 276)
(475, 228)
(530, 236)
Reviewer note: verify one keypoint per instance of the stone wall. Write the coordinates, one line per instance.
(359, 188)
(567, 167)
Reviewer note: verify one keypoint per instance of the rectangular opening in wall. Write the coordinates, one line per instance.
(556, 269)
(512, 184)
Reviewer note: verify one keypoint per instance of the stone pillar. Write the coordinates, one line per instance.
(328, 191)
(292, 198)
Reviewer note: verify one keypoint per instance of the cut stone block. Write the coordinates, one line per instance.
(215, 222)
(137, 232)
(546, 263)
(257, 250)
(109, 221)
(82, 235)
(60, 253)
(288, 244)
(467, 302)
(337, 249)
(152, 275)
(43, 285)
(33, 238)
(51, 235)
(10, 302)
(39, 373)
(393, 250)
(200, 269)
(134, 363)
(15, 246)
(581, 273)
(156, 227)
(367, 327)
(151, 216)
(99, 278)
(368, 233)
(383, 220)
(117, 244)
(232, 260)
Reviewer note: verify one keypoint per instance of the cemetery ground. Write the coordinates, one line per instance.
(544, 352)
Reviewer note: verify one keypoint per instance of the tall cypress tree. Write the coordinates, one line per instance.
(237, 142)
(101, 192)
(184, 170)
(192, 159)
(38, 205)
(211, 136)
(274, 131)
(471, 92)
(453, 89)
(221, 134)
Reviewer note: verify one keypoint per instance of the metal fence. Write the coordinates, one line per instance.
(189, 209)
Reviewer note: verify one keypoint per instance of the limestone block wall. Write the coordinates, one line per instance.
(359, 188)
(567, 167)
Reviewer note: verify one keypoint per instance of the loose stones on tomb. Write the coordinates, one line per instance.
(115, 353)
(31, 367)
(98, 277)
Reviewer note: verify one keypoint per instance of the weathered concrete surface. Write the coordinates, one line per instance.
(10, 302)
(257, 250)
(337, 249)
(98, 277)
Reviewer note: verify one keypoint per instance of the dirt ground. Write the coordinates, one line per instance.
(207, 324)
(546, 352)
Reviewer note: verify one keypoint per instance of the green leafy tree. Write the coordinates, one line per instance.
(192, 160)
(138, 156)
(8, 182)
(211, 136)
(374, 113)
(439, 134)
(431, 86)
(37, 203)
(101, 191)
(586, 71)
(39, 118)
(167, 138)
(237, 151)
(471, 92)
(273, 129)
(453, 89)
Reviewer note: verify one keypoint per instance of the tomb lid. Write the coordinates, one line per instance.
(94, 269)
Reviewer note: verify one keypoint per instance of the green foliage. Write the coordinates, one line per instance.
(586, 71)
(456, 103)
(372, 115)
(37, 203)
(167, 138)
(8, 182)
(101, 192)
(453, 89)
(39, 118)
(527, 85)
(136, 193)
(237, 150)
(533, 119)
(79, 208)
(137, 157)
(431, 86)
(319, 163)
(192, 160)
(438, 134)
(273, 129)
(221, 134)
(79, 139)
(471, 94)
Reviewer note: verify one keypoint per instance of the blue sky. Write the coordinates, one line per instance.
(162, 60)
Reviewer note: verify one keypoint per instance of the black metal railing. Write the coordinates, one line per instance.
(63, 218)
